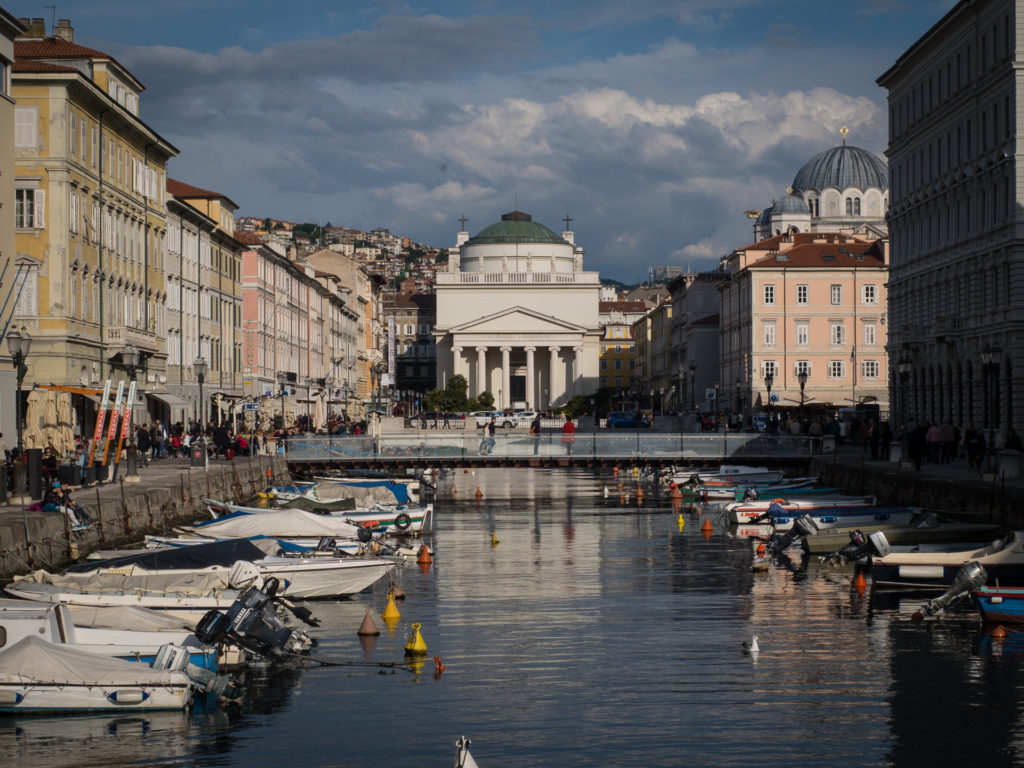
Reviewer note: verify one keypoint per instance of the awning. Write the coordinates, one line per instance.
(171, 400)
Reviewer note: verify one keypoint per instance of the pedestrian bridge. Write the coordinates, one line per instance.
(417, 450)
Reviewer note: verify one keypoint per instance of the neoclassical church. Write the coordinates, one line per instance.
(843, 189)
(517, 315)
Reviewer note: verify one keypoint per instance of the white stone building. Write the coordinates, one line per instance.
(518, 316)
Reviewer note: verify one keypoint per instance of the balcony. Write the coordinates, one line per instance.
(123, 336)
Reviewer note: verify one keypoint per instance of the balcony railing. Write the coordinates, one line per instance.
(124, 335)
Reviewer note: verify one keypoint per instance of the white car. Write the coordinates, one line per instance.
(518, 419)
(483, 417)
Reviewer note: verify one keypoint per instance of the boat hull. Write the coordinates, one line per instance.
(1001, 605)
(33, 697)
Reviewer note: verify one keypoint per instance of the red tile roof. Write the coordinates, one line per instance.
(55, 48)
(29, 65)
(181, 189)
(621, 306)
(798, 238)
(249, 238)
(814, 255)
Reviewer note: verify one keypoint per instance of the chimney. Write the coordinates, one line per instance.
(64, 31)
(35, 29)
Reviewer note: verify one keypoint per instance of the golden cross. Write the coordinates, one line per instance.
(845, 131)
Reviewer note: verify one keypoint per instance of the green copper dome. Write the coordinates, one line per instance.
(515, 227)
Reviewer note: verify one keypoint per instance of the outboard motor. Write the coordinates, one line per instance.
(750, 494)
(252, 623)
(970, 576)
(860, 546)
(803, 526)
(693, 481)
(175, 658)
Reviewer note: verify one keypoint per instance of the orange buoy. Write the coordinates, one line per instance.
(615, 471)
(367, 627)
(270, 473)
(465, 471)
(760, 549)
(438, 666)
(706, 525)
(860, 583)
(424, 556)
(639, 492)
(999, 631)
(479, 493)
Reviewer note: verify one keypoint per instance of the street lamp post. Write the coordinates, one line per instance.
(309, 396)
(19, 344)
(990, 366)
(903, 366)
(802, 378)
(130, 356)
(769, 379)
(693, 387)
(282, 381)
(200, 367)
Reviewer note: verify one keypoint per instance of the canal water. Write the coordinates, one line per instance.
(595, 632)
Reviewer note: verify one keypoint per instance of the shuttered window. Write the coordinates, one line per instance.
(26, 127)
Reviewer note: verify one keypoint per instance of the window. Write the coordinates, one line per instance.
(803, 333)
(869, 294)
(769, 368)
(836, 294)
(29, 208)
(618, 365)
(604, 365)
(26, 127)
(618, 347)
(424, 329)
(618, 381)
(869, 334)
(802, 366)
(801, 294)
(28, 303)
(836, 369)
(73, 135)
(837, 333)
(409, 329)
(769, 294)
(632, 364)
(769, 334)
(73, 211)
(869, 369)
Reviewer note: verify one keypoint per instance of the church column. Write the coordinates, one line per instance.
(456, 361)
(577, 374)
(481, 370)
(505, 399)
(531, 400)
(552, 376)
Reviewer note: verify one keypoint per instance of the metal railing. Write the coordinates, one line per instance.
(516, 445)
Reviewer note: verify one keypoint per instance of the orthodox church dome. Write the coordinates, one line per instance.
(841, 168)
(791, 204)
(515, 227)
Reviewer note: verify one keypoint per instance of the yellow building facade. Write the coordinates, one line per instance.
(89, 215)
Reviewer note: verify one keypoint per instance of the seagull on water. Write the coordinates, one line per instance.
(751, 647)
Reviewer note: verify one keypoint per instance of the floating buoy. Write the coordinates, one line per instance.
(760, 549)
(636, 472)
(270, 473)
(639, 493)
(859, 583)
(606, 491)
(706, 525)
(619, 486)
(424, 556)
(615, 471)
(465, 471)
(415, 645)
(999, 631)
(438, 666)
(367, 627)
(494, 540)
(479, 493)
(680, 522)
(391, 612)
(706, 532)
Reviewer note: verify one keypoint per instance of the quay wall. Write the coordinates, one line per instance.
(123, 512)
(986, 499)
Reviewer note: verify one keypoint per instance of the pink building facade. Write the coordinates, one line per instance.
(806, 303)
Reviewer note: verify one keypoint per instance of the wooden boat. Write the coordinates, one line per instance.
(39, 676)
(923, 528)
(937, 565)
(1001, 605)
(138, 642)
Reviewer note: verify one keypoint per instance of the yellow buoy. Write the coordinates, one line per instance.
(415, 645)
(391, 612)
(681, 522)
(494, 540)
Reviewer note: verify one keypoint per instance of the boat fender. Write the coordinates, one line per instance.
(127, 696)
(402, 521)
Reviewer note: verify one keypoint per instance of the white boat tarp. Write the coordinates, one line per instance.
(364, 495)
(177, 583)
(281, 523)
(34, 659)
(129, 617)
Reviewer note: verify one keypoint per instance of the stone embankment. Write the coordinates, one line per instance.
(168, 494)
(954, 488)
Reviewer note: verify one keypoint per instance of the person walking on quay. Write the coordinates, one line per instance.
(884, 440)
(446, 424)
(436, 414)
(934, 440)
(974, 444)
(568, 434)
(535, 432)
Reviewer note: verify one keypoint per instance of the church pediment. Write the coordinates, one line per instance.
(518, 320)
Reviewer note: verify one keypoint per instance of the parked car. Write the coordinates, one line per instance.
(625, 420)
(518, 419)
(483, 417)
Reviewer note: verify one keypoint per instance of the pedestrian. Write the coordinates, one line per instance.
(934, 439)
(491, 425)
(436, 415)
(568, 434)
(446, 415)
(971, 446)
(535, 432)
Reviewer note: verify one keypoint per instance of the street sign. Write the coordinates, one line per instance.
(709, 393)
(251, 406)
(773, 397)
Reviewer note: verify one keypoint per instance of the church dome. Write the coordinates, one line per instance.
(515, 227)
(843, 167)
(791, 204)
(765, 217)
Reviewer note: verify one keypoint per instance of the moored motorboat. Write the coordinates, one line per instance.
(748, 511)
(39, 676)
(936, 566)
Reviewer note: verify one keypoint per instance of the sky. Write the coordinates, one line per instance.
(653, 124)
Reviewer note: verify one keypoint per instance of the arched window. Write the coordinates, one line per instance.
(856, 206)
(849, 206)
